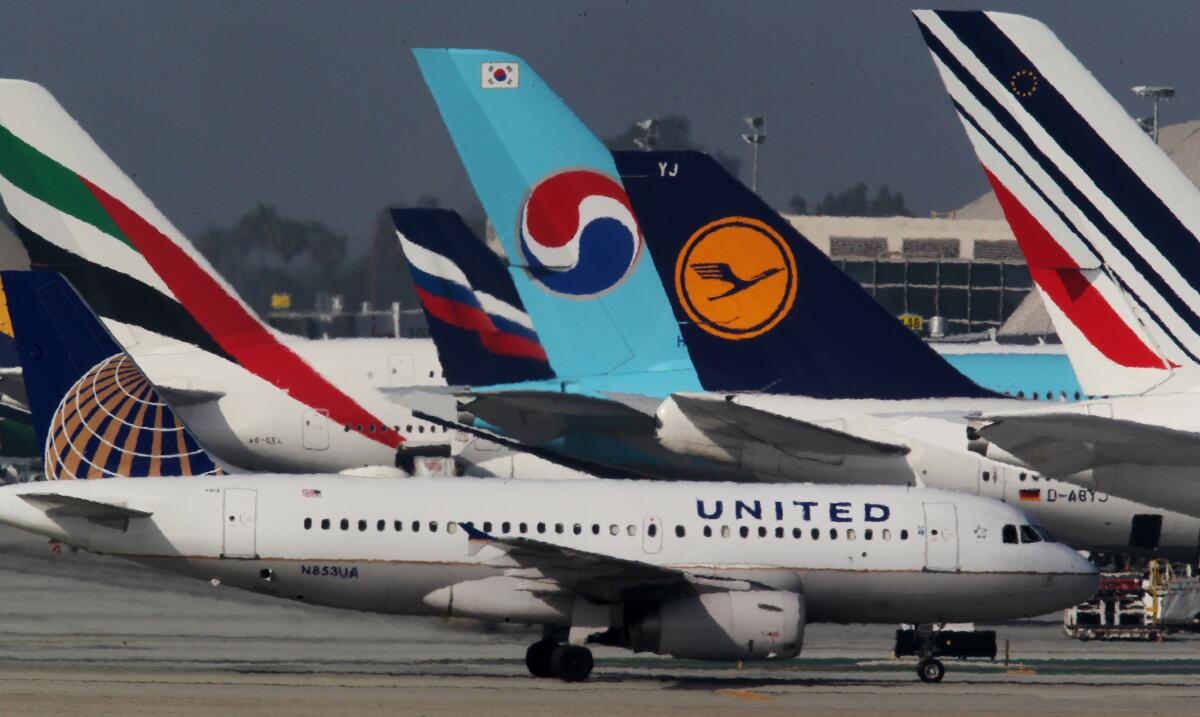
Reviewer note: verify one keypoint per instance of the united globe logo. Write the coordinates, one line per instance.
(112, 423)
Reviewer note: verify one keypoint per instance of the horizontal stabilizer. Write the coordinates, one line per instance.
(540, 416)
(108, 514)
(721, 417)
(184, 397)
(1059, 444)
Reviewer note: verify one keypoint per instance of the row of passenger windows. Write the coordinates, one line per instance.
(1027, 533)
(798, 533)
(372, 428)
(507, 527)
(1062, 395)
(987, 476)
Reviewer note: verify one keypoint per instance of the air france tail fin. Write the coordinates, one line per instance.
(483, 334)
(1108, 223)
(762, 309)
(556, 201)
(95, 412)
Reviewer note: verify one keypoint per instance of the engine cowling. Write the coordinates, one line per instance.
(751, 625)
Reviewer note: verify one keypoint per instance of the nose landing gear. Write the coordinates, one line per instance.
(931, 670)
(928, 642)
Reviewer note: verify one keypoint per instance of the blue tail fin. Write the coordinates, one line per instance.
(93, 409)
(762, 309)
(553, 194)
(483, 335)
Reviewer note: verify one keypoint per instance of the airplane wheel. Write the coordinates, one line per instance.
(537, 658)
(571, 663)
(930, 670)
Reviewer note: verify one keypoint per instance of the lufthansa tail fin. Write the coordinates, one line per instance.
(95, 412)
(553, 195)
(761, 308)
(483, 334)
(1109, 225)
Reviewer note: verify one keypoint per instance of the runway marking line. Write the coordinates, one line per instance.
(745, 695)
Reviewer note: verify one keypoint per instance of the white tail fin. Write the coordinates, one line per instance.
(1110, 226)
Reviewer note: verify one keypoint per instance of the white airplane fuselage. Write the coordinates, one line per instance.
(1162, 484)
(255, 425)
(856, 554)
(939, 456)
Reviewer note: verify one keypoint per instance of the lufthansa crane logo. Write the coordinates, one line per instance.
(736, 278)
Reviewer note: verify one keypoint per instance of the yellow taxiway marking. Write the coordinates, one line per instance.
(745, 695)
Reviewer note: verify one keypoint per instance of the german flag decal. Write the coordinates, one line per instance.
(1028, 494)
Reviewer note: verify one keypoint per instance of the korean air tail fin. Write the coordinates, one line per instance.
(94, 411)
(553, 195)
(483, 334)
(762, 309)
(1109, 225)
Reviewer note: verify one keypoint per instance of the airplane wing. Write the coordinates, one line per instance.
(540, 416)
(1059, 444)
(722, 418)
(598, 577)
(107, 514)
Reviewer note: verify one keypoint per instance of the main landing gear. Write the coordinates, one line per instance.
(569, 663)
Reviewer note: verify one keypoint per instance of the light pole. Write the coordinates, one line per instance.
(649, 139)
(755, 139)
(1155, 94)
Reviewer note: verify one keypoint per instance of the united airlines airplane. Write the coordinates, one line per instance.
(702, 571)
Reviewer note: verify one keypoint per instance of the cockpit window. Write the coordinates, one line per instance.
(1029, 535)
(1046, 536)
(1009, 533)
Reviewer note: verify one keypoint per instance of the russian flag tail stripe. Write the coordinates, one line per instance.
(1075, 165)
(476, 318)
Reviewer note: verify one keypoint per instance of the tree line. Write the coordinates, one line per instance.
(264, 252)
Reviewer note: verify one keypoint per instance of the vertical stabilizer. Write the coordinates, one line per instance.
(483, 334)
(95, 412)
(554, 197)
(1109, 225)
(761, 308)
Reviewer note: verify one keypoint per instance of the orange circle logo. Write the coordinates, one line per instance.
(736, 278)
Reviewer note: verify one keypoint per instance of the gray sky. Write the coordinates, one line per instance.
(318, 107)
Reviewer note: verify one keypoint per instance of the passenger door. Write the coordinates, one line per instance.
(991, 480)
(401, 370)
(239, 519)
(315, 432)
(652, 530)
(941, 537)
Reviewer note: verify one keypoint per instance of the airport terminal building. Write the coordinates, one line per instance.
(970, 272)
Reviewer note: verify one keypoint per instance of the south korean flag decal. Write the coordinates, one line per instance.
(499, 75)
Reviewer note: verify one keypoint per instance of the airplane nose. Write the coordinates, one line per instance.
(1082, 578)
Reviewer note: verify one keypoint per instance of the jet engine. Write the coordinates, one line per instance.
(752, 625)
